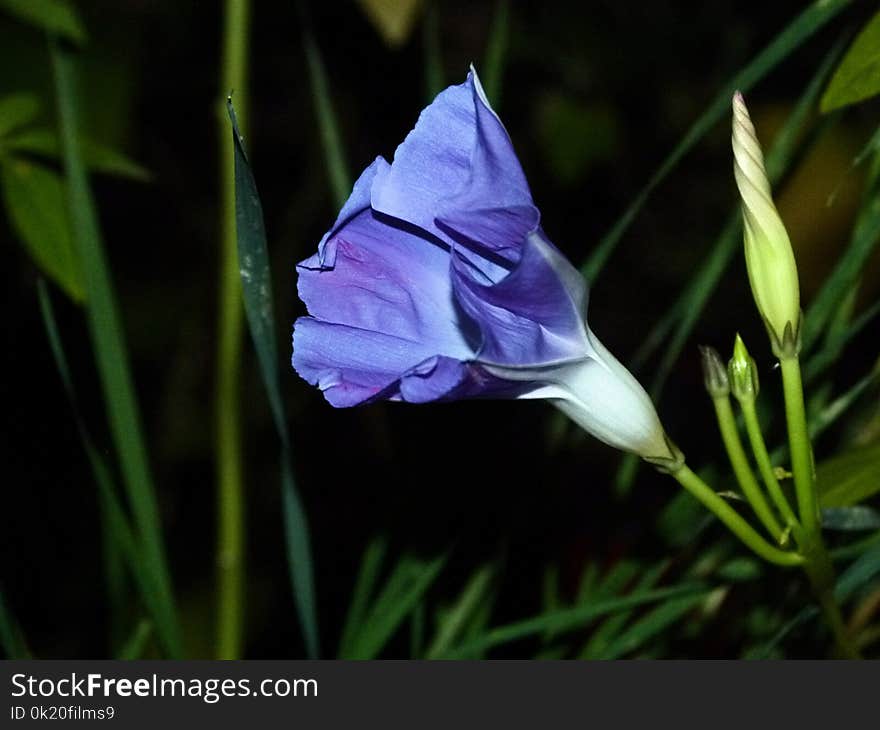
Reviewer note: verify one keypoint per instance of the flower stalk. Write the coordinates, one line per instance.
(228, 449)
(774, 280)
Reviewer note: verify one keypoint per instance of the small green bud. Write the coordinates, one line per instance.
(714, 373)
(743, 373)
(769, 258)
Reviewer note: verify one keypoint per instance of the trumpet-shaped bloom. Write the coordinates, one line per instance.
(437, 282)
(769, 259)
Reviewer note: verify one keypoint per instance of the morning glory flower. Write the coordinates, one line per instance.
(438, 283)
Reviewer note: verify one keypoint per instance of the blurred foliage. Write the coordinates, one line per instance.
(858, 76)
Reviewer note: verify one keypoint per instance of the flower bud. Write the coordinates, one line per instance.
(769, 257)
(743, 373)
(714, 373)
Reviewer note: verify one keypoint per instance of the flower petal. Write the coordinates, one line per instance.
(535, 315)
(458, 157)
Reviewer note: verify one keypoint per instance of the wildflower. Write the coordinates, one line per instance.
(437, 282)
(769, 258)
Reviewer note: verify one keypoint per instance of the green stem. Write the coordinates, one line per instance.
(230, 528)
(743, 470)
(734, 522)
(765, 466)
(799, 444)
(818, 565)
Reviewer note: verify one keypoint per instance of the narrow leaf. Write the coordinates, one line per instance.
(400, 596)
(371, 564)
(108, 342)
(454, 622)
(116, 523)
(328, 125)
(137, 642)
(568, 619)
(653, 623)
(256, 284)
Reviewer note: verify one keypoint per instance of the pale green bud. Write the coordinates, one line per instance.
(743, 373)
(769, 257)
(714, 373)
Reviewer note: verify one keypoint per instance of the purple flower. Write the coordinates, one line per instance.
(437, 283)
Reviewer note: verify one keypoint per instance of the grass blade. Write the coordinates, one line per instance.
(606, 633)
(364, 586)
(650, 625)
(105, 329)
(137, 642)
(17, 110)
(833, 346)
(328, 124)
(462, 612)
(846, 273)
(569, 619)
(256, 283)
(121, 537)
(402, 593)
(810, 20)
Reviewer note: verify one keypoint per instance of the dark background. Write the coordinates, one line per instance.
(595, 95)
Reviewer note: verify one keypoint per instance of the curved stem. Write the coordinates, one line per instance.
(734, 522)
(743, 470)
(230, 529)
(765, 466)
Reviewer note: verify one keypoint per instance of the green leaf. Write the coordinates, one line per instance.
(858, 76)
(364, 586)
(849, 478)
(403, 591)
(95, 156)
(256, 285)
(108, 342)
(810, 20)
(822, 420)
(457, 618)
(833, 345)
(17, 110)
(116, 524)
(569, 619)
(36, 202)
(56, 17)
(850, 518)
